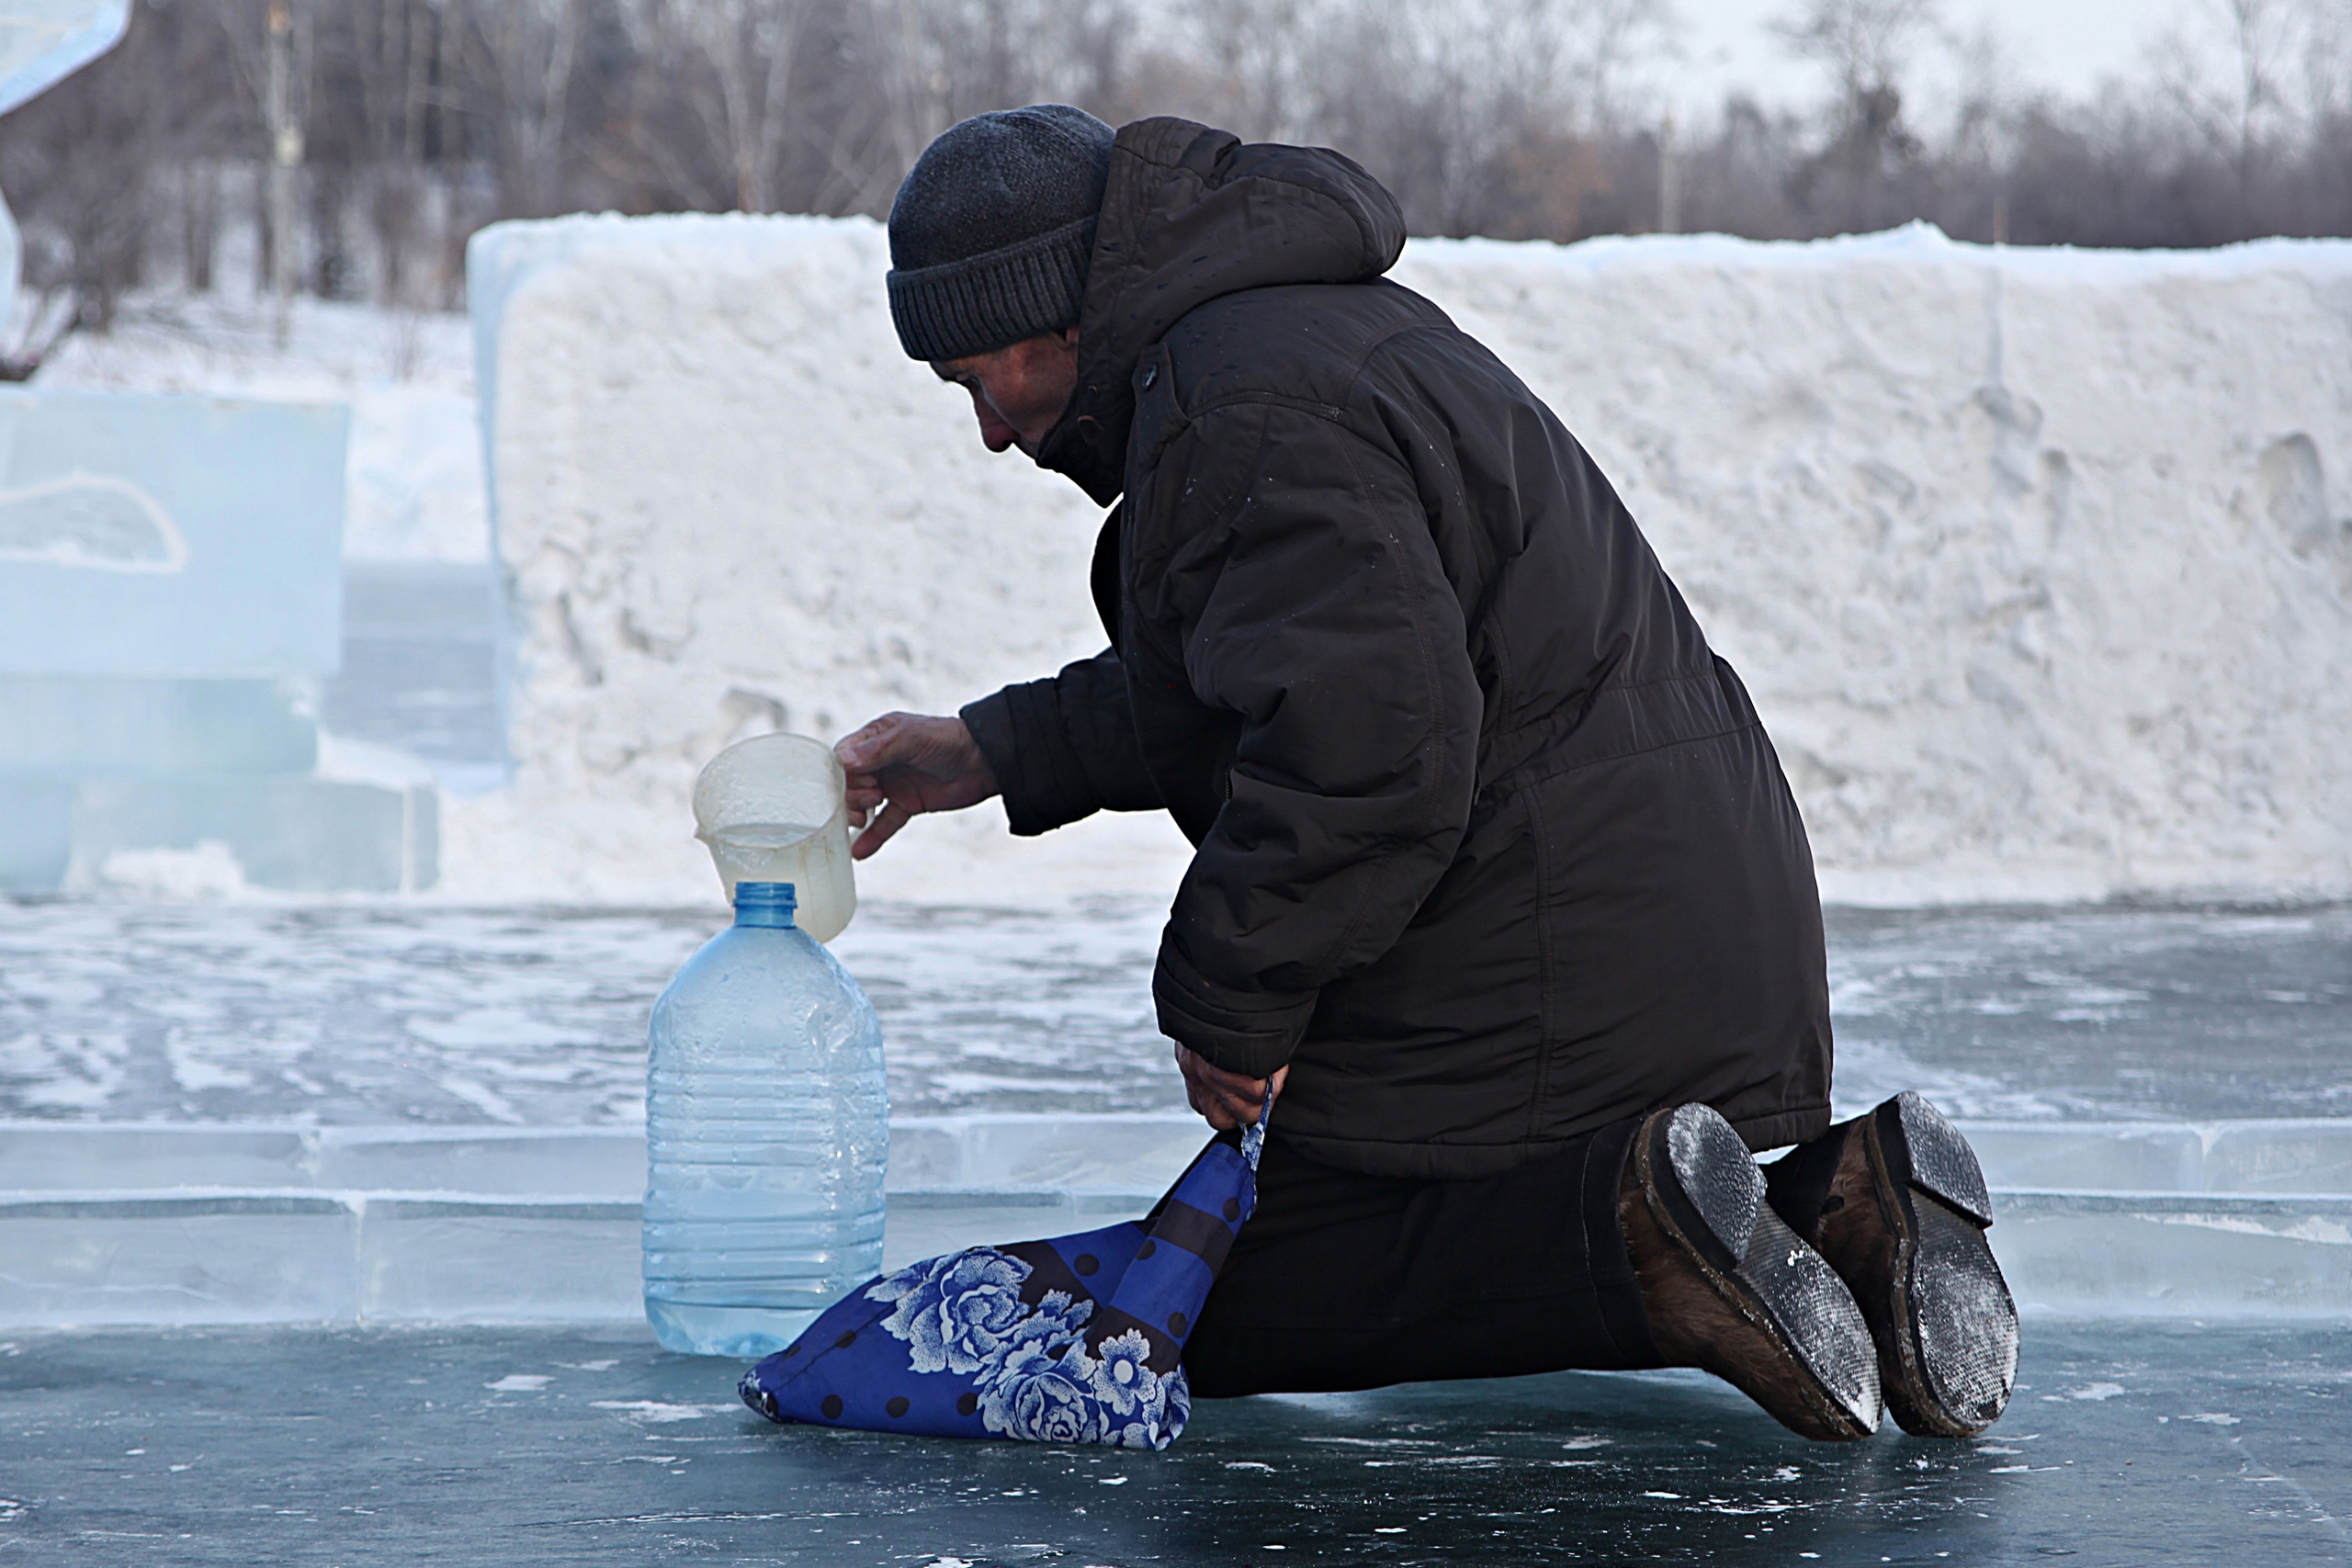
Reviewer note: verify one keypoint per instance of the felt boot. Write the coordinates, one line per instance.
(1897, 1202)
(1730, 1288)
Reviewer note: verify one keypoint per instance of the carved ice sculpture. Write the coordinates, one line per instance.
(171, 594)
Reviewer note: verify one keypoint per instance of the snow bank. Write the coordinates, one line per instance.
(2037, 562)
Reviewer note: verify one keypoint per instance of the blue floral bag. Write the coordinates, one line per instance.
(1075, 1339)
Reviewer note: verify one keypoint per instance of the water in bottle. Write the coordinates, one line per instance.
(767, 1129)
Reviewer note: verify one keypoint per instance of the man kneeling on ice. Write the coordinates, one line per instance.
(1497, 886)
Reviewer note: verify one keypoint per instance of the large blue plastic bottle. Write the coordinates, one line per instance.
(766, 1130)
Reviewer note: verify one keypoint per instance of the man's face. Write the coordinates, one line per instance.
(1018, 391)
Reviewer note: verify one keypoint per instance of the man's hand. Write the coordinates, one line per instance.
(1226, 1099)
(906, 763)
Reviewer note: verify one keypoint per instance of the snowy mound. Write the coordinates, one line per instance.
(2038, 563)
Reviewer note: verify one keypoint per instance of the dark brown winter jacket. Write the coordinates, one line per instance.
(1490, 848)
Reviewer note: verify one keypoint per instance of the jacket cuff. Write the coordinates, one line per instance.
(1242, 1031)
(1020, 731)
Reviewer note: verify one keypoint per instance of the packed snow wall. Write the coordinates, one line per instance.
(2038, 563)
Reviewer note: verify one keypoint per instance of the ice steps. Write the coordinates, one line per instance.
(193, 1222)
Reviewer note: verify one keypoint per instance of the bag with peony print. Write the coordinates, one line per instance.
(1076, 1339)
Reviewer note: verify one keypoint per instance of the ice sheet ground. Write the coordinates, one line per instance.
(403, 1013)
(360, 1014)
(2128, 1444)
(488, 1033)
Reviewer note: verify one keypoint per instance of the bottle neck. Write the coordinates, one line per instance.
(767, 905)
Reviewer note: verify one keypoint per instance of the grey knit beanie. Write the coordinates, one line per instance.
(991, 233)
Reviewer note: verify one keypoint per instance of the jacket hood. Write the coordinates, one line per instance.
(1191, 214)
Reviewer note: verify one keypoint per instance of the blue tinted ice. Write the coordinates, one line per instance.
(168, 535)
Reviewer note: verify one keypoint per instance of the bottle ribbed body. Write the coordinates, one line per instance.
(767, 1129)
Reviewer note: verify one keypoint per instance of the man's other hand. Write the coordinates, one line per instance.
(1226, 1099)
(906, 763)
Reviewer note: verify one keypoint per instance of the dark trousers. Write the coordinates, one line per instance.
(1342, 1280)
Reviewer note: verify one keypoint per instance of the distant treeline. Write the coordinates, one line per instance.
(418, 122)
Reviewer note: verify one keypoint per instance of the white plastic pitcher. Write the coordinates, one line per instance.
(772, 808)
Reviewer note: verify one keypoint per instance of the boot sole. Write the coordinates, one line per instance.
(1947, 1334)
(1705, 1193)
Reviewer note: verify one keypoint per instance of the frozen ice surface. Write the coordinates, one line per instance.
(2128, 1444)
(475, 1080)
(389, 1013)
(2092, 1014)
(326, 1014)
(383, 1013)
(985, 1009)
